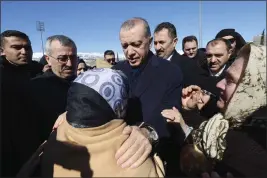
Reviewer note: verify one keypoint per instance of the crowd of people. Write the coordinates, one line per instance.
(153, 115)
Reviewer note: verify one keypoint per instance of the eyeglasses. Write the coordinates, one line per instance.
(111, 60)
(232, 40)
(63, 59)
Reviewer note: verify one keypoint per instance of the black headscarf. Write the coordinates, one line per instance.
(240, 42)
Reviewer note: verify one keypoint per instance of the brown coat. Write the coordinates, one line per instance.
(90, 152)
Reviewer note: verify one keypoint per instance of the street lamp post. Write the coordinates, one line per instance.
(200, 24)
(40, 27)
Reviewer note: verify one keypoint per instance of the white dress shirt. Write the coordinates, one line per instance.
(218, 73)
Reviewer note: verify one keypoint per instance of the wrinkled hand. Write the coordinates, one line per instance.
(190, 97)
(60, 120)
(135, 150)
(193, 97)
(172, 115)
(29, 167)
(215, 175)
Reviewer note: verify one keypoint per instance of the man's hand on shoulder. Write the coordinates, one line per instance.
(136, 149)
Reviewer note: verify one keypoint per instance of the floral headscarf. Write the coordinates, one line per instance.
(249, 96)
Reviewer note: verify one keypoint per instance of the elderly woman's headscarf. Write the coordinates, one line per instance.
(249, 96)
(96, 97)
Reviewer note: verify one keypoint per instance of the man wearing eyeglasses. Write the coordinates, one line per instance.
(109, 56)
(49, 91)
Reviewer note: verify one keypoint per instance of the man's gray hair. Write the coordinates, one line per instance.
(64, 41)
(129, 24)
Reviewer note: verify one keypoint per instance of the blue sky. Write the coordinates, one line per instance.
(94, 26)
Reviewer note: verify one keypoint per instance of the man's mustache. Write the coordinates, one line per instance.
(159, 51)
(68, 68)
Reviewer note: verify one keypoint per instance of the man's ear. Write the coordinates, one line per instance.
(48, 60)
(2, 53)
(230, 52)
(175, 41)
(150, 42)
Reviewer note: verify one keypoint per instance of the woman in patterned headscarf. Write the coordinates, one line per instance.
(222, 143)
(86, 144)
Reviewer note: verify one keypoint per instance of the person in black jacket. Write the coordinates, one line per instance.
(15, 72)
(154, 83)
(165, 40)
(49, 91)
(190, 48)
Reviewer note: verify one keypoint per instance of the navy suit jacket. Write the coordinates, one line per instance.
(155, 86)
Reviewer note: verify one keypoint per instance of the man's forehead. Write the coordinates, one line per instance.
(15, 40)
(136, 32)
(162, 34)
(190, 44)
(219, 46)
(109, 56)
(131, 38)
(56, 46)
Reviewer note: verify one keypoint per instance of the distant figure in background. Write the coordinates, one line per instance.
(109, 56)
(237, 41)
(191, 50)
(82, 67)
(190, 46)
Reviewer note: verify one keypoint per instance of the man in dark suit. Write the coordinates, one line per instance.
(48, 95)
(165, 40)
(155, 84)
(16, 69)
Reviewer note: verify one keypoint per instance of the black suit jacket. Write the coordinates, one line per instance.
(155, 86)
(192, 72)
(48, 99)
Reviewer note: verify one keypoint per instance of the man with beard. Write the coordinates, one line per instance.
(49, 91)
(154, 84)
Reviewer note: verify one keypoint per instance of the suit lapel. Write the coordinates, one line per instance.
(175, 56)
(147, 76)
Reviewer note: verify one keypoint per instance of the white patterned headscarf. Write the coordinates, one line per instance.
(249, 96)
(110, 84)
